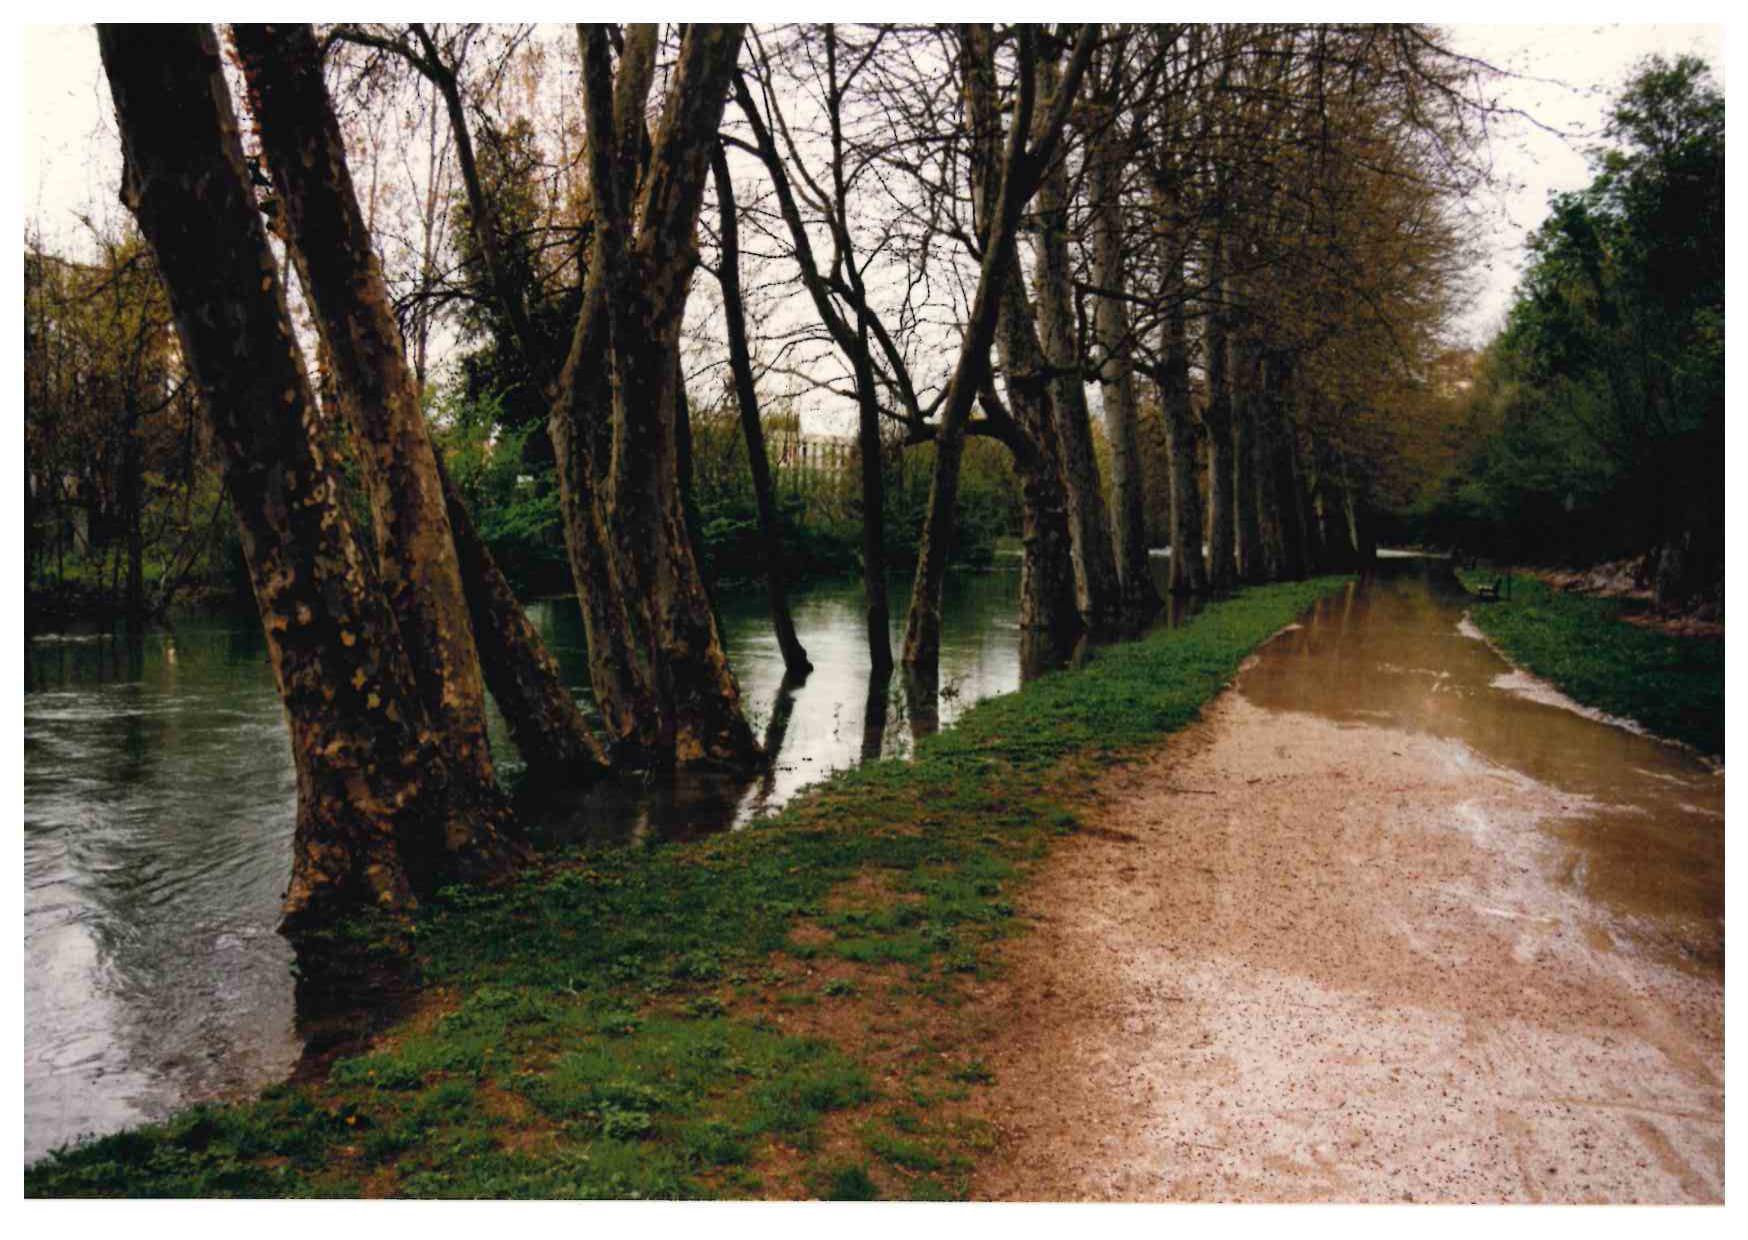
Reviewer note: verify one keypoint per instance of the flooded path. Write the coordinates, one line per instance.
(1388, 924)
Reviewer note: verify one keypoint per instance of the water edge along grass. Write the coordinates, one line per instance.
(1672, 686)
(775, 1012)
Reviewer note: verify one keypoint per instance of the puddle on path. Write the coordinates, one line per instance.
(1398, 653)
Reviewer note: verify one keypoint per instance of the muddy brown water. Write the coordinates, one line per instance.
(1391, 922)
(1648, 849)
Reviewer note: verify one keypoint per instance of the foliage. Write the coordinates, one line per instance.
(604, 1027)
(1674, 686)
(1595, 419)
(821, 508)
(113, 448)
(514, 503)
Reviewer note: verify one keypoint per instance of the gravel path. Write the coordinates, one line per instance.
(1304, 959)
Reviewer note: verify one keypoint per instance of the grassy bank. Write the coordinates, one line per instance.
(1674, 686)
(787, 1011)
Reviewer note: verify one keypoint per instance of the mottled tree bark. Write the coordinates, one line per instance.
(1095, 566)
(1049, 601)
(370, 789)
(545, 722)
(1049, 598)
(620, 672)
(548, 727)
(740, 362)
(1049, 608)
(645, 254)
(417, 561)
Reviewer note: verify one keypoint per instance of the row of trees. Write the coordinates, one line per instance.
(1250, 228)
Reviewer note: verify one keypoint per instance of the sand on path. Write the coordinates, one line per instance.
(1297, 959)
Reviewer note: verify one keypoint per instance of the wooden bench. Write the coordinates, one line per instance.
(1501, 587)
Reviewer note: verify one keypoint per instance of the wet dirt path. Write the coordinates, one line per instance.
(1383, 926)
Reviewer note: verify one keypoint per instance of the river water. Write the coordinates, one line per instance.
(158, 806)
(159, 797)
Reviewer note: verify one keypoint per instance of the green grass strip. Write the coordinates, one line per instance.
(612, 1035)
(1673, 686)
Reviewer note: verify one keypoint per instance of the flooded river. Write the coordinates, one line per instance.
(159, 798)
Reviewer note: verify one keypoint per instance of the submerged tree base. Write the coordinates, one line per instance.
(777, 1013)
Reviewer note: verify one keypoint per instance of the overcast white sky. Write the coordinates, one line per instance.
(71, 164)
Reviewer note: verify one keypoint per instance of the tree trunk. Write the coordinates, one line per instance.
(795, 661)
(1188, 570)
(1277, 499)
(1095, 566)
(305, 155)
(1338, 541)
(640, 278)
(545, 723)
(1246, 377)
(877, 612)
(1217, 419)
(856, 347)
(1049, 601)
(1128, 505)
(1310, 536)
(367, 783)
(1003, 195)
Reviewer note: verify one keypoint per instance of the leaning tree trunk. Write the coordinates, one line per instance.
(305, 155)
(522, 676)
(795, 661)
(545, 723)
(368, 785)
(1004, 192)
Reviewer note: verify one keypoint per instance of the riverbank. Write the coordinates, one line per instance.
(1671, 685)
(788, 1011)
